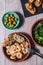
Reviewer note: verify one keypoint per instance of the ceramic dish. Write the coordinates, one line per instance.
(21, 49)
(11, 20)
(32, 7)
(37, 32)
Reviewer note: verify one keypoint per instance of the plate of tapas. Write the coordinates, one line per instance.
(32, 7)
(15, 47)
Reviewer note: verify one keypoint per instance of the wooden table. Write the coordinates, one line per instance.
(15, 5)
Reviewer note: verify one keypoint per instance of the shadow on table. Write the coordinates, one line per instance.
(32, 46)
(21, 19)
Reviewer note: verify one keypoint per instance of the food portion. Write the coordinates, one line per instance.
(29, 5)
(38, 3)
(38, 33)
(18, 38)
(10, 20)
(16, 46)
(30, 8)
(31, 1)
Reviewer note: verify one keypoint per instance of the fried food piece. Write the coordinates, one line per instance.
(25, 50)
(18, 48)
(3, 44)
(13, 47)
(7, 51)
(13, 57)
(22, 45)
(30, 8)
(26, 44)
(19, 55)
(18, 38)
(8, 47)
(31, 1)
(13, 54)
(7, 38)
(38, 3)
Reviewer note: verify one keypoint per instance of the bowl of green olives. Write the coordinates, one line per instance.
(11, 20)
(37, 32)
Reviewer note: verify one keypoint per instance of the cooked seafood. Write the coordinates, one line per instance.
(13, 57)
(19, 55)
(16, 46)
(25, 50)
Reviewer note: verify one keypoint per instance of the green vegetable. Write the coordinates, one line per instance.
(38, 32)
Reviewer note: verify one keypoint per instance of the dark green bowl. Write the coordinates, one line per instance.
(16, 15)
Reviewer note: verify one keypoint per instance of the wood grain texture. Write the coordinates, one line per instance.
(2, 31)
(15, 5)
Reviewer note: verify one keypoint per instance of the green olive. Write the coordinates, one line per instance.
(10, 20)
(12, 25)
(5, 23)
(14, 22)
(16, 19)
(5, 19)
(7, 15)
(11, 15)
